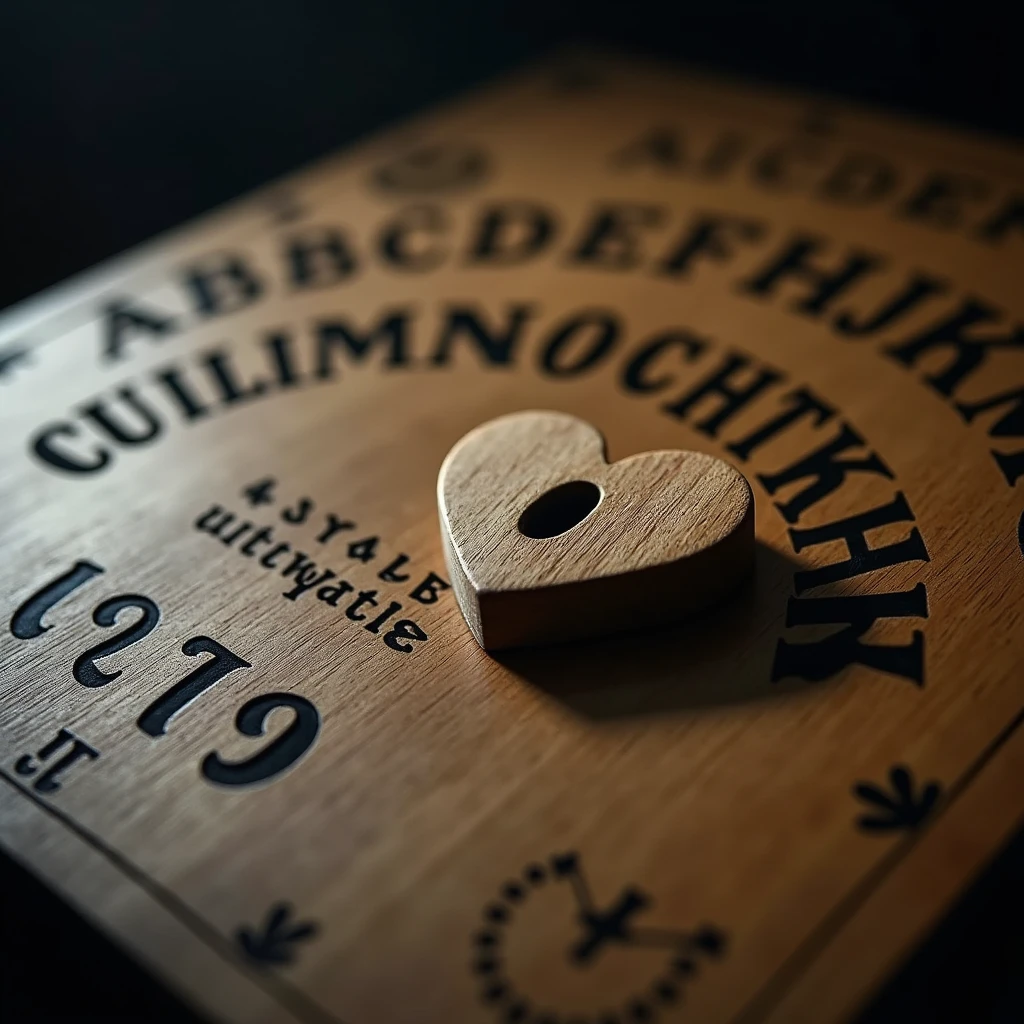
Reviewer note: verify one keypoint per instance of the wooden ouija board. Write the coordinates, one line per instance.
(245, 729)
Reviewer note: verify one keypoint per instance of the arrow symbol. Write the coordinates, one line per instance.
(274, 942)
(899, 807)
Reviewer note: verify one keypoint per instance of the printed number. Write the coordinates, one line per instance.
(271, 760)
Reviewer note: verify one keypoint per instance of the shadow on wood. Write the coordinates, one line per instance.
(723, 656)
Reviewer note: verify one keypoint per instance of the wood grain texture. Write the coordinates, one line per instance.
(735, 819)
(547, 542)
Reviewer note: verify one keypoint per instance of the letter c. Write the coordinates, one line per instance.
(43, 446)
(636, 375)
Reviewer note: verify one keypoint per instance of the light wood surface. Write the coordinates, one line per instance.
(243, 725)
(547, 542)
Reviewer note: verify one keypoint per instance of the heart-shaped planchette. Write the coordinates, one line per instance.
(546, 541)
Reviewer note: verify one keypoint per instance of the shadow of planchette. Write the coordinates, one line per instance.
(721, 657)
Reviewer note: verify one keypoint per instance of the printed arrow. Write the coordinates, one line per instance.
(275, 942)
(899, 807)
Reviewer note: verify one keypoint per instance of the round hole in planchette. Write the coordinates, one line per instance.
(560, 509)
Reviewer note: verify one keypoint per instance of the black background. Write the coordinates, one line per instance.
(120, 120)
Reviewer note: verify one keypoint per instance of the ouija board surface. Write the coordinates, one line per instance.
(244, 727)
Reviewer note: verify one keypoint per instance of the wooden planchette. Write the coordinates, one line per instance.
(546, 541)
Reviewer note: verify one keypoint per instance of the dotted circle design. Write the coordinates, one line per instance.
(499, 993)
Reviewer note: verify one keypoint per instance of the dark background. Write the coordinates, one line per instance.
(122, 119)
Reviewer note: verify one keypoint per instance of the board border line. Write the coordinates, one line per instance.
(764, 1001)
(282, 991)
(787, 975)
